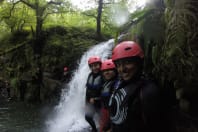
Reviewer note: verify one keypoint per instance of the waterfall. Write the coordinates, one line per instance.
(69, 114)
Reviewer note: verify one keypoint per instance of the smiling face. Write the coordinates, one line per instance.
(127, 69)
(108, 74)
(95, 67)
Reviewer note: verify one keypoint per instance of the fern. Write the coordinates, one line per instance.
(178, 57)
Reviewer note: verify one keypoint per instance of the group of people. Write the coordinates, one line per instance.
(124, 98)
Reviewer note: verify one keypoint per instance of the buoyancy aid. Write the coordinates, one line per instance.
(106, 92)
(94, 85)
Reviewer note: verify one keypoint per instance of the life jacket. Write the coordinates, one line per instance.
(106, 92)
(93, 85)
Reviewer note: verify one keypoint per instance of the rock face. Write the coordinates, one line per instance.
(51, 90)
(25, 90)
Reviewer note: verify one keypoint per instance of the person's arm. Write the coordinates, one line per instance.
(150, 104)
(87, 95)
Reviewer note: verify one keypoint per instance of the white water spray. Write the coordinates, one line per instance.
(118, 15)
(70, 111)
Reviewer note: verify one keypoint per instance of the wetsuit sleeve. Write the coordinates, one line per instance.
(87, 96)
(150, 103)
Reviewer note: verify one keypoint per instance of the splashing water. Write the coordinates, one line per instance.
(69, 116)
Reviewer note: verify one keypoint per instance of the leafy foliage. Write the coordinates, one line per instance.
(63, 47)
(180, 45)
(16, 16)
(169, 36)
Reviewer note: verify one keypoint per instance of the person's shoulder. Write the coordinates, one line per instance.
(149, 86)
(90, 74)
(146, 80)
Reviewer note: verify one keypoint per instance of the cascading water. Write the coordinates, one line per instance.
(69, 116)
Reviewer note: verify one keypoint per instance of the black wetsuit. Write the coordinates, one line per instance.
(106, 92)
(94, 86)
(135, 106)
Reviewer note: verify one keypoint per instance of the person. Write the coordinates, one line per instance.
(65, 71)
(135, 104)
(7, 86)
(65, 77)
(109, 74)
(1, 86)
(93, 89)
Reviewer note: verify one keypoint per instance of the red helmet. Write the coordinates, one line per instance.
(94, 59)
(65, 69)
(127, 49)
(107, 64)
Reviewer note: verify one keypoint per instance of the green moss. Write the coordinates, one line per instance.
(62, 47)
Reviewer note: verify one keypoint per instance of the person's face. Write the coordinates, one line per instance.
(95, 67)
(108, 74)
(126, 69)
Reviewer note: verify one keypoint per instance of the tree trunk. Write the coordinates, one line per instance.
(98, 30)
(38, 47)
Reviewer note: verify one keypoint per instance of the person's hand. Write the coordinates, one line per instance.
(91, 101)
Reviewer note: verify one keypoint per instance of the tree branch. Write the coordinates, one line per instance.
(51, 3)
(14, 48)
(105, 3)
(54, 3)
(28, 4)
(10, 13)
(90, 15)
(53, 12)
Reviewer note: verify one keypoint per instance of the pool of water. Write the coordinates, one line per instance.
(20, 117)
